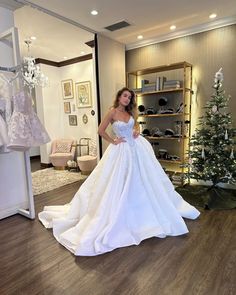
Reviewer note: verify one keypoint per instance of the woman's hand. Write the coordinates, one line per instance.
(118, 140)
(135, 133)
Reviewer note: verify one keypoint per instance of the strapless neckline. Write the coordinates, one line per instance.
(123, 121)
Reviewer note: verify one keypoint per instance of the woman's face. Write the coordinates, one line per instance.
(125, 98)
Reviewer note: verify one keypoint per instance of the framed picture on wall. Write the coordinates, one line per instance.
(67, 108)
(73, 120)
(67, 89)
(83, 94)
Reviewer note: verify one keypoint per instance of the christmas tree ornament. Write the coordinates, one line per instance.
(226, 135)
(214, 109)
(232, 154)
(219, 76)
(203, 153)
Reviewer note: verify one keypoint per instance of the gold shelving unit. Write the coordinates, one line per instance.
(185, 70)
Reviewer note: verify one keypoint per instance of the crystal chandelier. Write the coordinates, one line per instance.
(31, 71)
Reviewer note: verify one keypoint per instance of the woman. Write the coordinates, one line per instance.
(126, 199)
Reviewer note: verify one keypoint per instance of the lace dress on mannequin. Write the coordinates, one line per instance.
(25, 129)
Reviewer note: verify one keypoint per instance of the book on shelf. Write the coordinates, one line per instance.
(149, 87)
(169, 84)
(172, 82)
(160, 82)
(143, 83)
(171, 87)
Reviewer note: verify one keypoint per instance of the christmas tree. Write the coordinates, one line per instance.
(211, 153)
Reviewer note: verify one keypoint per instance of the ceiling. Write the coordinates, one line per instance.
(56, 39)
(150, 18)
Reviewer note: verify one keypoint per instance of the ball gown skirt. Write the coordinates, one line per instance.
(126, 199)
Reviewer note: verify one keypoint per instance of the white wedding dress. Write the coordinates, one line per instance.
(126, 199)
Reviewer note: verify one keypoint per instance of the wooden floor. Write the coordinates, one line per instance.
(202, 262)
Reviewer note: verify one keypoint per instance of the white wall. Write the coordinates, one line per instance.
(49, 108)
(34, 151)
(50, 105)
(82, 71)
(111, 62)
(13, 188)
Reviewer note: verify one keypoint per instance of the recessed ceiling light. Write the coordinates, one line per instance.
(33, 38)
(213, 15)
(82, 52)
(173, 27)
(140, 37)
(94, 12)
(65, 57)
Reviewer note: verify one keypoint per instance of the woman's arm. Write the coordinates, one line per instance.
(136, 130)
(103, 126)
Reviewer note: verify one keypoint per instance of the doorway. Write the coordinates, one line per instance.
(67, 105)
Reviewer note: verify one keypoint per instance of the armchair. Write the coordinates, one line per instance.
(87, 162)
(62, 151)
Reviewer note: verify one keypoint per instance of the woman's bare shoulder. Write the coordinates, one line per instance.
(111, 112)
(112, 109)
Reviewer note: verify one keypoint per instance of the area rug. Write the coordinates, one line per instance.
(49, 179)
